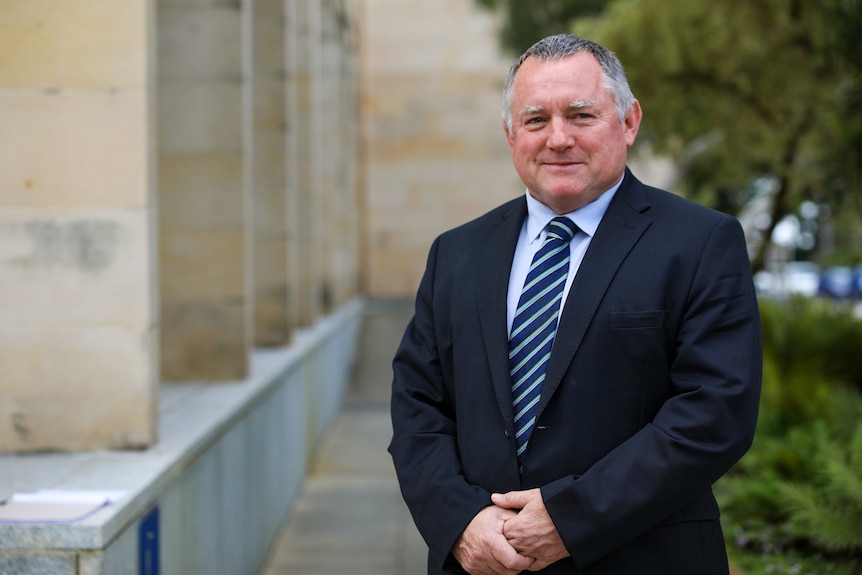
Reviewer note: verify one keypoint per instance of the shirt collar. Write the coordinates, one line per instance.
(587, 218)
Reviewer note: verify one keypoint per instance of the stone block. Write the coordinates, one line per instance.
(270, 183)
(120, 558)
(463, 37)
(86, 44)
(38, 563)
(269, 39)
(64, 268)
(271, 315)
(269, 105)
(271, 320)
(199, 41)
(77, 387)
(75, 149)
(203, 265)
(204, 341)
(271, 204)
(200, 116)
(201, 191)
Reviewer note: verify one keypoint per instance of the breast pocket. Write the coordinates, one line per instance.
(639, 334)
(638, 319)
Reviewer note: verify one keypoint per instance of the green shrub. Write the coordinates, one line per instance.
(790, 505)
(829, 508)
(813, 336)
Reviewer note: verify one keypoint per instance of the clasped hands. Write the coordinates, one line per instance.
(515, 534)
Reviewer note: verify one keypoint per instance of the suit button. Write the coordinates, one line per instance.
(506, 431)
(521, 469)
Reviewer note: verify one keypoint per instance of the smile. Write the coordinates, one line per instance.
(561, 165)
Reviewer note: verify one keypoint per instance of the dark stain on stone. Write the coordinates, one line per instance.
(19, 424)
(90, 245)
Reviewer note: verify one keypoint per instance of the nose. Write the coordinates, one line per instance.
(561, 134)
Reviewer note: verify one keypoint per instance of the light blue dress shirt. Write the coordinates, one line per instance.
(533, 235)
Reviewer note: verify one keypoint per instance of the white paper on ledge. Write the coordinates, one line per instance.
(82, 496)
(56, 505)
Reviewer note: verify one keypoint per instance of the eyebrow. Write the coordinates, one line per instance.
(528, 109)
(575, 105)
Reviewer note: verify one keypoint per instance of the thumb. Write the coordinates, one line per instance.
(510, 500)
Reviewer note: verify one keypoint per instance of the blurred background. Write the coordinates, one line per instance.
(189, 188)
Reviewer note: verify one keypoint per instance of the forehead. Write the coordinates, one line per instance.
(578, 76)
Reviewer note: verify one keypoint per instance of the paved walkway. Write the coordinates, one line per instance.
(350, 518)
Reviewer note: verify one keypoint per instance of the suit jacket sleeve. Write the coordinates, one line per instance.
(424, 445)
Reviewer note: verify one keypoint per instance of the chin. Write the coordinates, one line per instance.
(567, 200)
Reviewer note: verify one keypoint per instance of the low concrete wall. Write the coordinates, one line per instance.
(219, 483)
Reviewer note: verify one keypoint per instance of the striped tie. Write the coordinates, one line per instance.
(535, 325)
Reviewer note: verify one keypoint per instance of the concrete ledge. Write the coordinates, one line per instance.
(224, 473)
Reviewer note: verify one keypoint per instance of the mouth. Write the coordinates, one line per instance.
(561, 165)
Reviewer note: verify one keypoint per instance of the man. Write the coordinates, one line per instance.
(598, 456)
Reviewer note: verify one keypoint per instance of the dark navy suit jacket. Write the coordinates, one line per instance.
(651, 393)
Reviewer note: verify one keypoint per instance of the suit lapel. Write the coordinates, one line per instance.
(621, 227)
(493, 267)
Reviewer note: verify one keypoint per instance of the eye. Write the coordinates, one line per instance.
(534, 120)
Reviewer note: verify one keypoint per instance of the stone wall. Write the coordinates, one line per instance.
(184, 180)
(211, 498)
(434, 152)
(78, 291)
(177, 186)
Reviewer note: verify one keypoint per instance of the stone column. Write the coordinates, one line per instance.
(333, 111)
(267, 142)
(78, 358)
(205, 215)
(345, 259)
(305, 113)
(293, 147)
(325, 111)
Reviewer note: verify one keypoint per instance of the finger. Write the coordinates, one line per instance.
(512, 499)
(507, 557)
(483, 550)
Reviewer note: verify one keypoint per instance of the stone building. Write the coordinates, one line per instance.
(185, 180)
(150, 207)
(435, 154)
(196, 198)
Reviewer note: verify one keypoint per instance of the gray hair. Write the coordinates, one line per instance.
(562, 45)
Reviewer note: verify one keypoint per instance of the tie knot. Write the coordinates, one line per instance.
(561, 229)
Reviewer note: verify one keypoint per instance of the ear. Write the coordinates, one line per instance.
(509, 137)
(632, 122)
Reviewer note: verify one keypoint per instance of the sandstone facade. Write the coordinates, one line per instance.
(177, 186)
(182, 181)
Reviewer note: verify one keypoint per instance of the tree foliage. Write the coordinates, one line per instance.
(763, 83)
(732, 91)
(525, 22)
(843, 48)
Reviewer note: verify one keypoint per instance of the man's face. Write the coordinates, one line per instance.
(568, 144)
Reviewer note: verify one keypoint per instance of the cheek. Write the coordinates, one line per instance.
(612, 148)
(523, 153)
